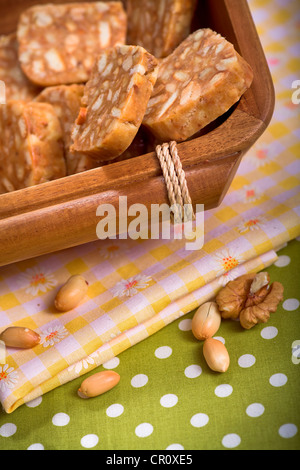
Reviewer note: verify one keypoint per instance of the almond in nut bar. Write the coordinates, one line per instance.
(31, 146)
(197, 83)
(116, 99)
(159, 26)
(66, 100)
(58, 43)
(17, 85)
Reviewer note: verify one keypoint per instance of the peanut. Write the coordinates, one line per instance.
(216, 355)
(206, 321)
(98, 383)
(20, 337)
(71, 293)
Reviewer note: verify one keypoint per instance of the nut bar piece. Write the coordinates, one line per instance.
(31, 148)
(159, 26)
(197, 83)
(58, 43)
(17, 85)
(137, 147)
(115, 101)
(66, 101)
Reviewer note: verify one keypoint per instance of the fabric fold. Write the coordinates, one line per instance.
(42, 383)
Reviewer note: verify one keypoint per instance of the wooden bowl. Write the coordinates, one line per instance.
(62, 213)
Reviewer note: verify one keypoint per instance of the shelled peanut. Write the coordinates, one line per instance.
(206, 321)
(17, 337)
(98, 383)
(205, 324)
(71, 293)
(20, 337)
(216, 355)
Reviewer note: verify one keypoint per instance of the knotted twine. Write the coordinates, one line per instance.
(175, 179)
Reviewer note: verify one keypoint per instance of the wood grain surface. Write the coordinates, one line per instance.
(62, 213)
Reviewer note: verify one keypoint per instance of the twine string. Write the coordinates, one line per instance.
(175, 179)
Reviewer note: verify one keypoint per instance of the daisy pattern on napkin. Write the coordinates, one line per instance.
(254, 223)
(38, 280)
(131, 286)
(251, 193)
(8, 377)
(110, 250)
(226, 260)
(53, 334)
(83, 364)
(260, 157)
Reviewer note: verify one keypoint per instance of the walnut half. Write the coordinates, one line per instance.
(250, 298)
(232, 298)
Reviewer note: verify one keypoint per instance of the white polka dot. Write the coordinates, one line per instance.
(255, 409)
(169, 400)
(231, 440)
(247, 360)
(220, 338)
(115, 410)
(175, 447)
(282, 261)
(163, 352)
(35, 402)
(185, 325)
(288, 430)
(144, 430)
(61, 419)
(36, 446)
(89, 441)
(223, 390)
(193, 371)
(291, 304)
(139, 380)
(8, 430)
(278, 380)
(112, 363)
(269, 332)
(199, 420)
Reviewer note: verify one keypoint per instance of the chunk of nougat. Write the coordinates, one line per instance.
(66, 100)
(31, 146)
(114, 102)
(159, 26)
(196, 84)
(58, 43)
(17, 85)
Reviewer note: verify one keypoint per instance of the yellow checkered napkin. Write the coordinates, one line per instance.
(138, 287)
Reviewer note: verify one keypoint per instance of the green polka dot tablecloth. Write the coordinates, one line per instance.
(136, 319)
(168, 398)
